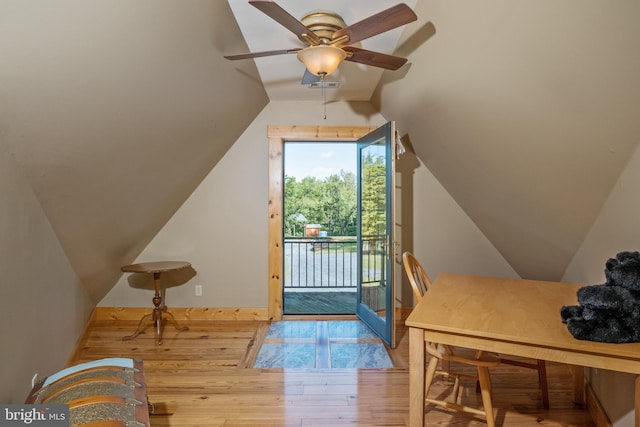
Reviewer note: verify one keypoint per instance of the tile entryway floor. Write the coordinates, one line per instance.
(321, 344)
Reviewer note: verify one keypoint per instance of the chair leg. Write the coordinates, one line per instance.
(431, 372)
(542, 381)
(456, 393)
(485, 390)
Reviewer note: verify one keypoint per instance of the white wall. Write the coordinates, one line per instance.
(43, 305)
(446, 239)
(438, 232)
(616, 229)
(222, 228)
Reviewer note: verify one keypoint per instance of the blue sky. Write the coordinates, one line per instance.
(318, 159)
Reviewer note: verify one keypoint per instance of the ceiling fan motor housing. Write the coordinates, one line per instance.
(323, 23)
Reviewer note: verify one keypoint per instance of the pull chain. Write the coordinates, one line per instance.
(324, 94)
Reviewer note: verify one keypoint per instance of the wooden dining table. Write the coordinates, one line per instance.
(509, 316)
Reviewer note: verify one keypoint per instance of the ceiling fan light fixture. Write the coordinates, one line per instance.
(321, 60)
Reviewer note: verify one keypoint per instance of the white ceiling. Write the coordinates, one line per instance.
(282, 74)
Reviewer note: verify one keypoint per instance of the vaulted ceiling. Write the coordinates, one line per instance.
(525, 111)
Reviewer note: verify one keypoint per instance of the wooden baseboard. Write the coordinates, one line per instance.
(200, 313)
(182, 313)
(598, 415)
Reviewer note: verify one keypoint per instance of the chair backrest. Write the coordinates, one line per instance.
(420, 284)
(417, 277)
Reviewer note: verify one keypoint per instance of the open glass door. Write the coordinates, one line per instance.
(375, 306)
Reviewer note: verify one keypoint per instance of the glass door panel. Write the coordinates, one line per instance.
(375, 296)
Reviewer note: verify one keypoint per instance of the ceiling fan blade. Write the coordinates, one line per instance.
(280, 15)
(376, 59)
(261, 54)
(309, 78)
(386, 20)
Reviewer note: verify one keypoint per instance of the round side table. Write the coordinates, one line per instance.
(159, 308)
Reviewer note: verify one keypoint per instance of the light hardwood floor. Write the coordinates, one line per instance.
(201, 377)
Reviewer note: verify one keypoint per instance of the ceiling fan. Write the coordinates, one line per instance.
(329, 40)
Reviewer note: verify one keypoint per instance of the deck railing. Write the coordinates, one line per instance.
(331, 262)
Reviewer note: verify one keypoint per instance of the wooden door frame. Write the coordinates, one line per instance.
(277, 136)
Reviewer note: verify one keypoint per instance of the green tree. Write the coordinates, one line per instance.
(330, 202)
(340, 203)
(302, 200)
(374, 197)
(294, 219)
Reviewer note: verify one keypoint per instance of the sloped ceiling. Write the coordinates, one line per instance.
(117, 109)
(526, 112)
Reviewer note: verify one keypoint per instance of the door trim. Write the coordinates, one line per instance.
(277, 136)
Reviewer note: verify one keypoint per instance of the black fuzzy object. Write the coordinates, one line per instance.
(609, 312)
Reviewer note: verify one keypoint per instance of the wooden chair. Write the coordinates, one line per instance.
(420, 283)
(446, 354)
